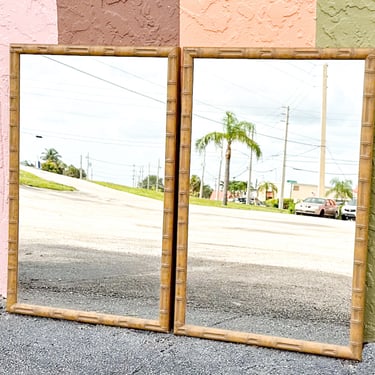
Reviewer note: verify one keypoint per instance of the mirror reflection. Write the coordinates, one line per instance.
(96, 127)
(261, 258)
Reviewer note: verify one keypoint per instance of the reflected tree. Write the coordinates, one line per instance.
(195, 185)
(267, 186)
(341, 189)
(152, 182)
(51, 154)
(233, 131)
(52, 161)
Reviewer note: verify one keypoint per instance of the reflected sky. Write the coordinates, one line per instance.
(94, 108)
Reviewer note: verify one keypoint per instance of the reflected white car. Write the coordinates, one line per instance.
(324, 207)
(349, 210)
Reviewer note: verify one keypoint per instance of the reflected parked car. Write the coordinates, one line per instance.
(349, 210)
(324, 207)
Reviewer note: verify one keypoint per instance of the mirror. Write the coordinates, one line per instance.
(98, 124)
(264, 275)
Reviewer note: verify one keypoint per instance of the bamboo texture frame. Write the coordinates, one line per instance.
(354, 350)
(167, 254)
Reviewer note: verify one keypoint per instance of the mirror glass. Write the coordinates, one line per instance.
(88, 119)
(253, 267)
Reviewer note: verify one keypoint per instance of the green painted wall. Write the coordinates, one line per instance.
(369, 334)
(351, 23)
(345, 23)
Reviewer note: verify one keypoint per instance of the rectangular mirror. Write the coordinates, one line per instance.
(102, 121)
(263, 275)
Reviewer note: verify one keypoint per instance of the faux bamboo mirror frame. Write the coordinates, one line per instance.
(168, 134)
(354, 349)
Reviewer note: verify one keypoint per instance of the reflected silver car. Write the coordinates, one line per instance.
(349, 210)
(324, 207)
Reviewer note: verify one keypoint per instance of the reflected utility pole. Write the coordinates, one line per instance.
(37, 164)
(157, 176)
(248, 190)
(148, 177)
(281, 199)
(202, 178)
(133, 177)
(219, 177)
(322, 173)
(88, 166)
(80, 167)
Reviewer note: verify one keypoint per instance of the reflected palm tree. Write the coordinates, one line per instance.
(341, 189)
(51, 154)
(233, 131)
(267, 186)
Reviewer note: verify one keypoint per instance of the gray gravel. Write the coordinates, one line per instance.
(31, 345)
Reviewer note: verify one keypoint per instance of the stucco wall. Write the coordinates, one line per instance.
(243, 23)
(119, 22)
(345, 23)
(256, 23)
(21, 21)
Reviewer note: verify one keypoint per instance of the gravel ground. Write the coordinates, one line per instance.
(31, 345)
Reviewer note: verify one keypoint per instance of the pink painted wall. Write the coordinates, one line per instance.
(21, 21)
(247, 23)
